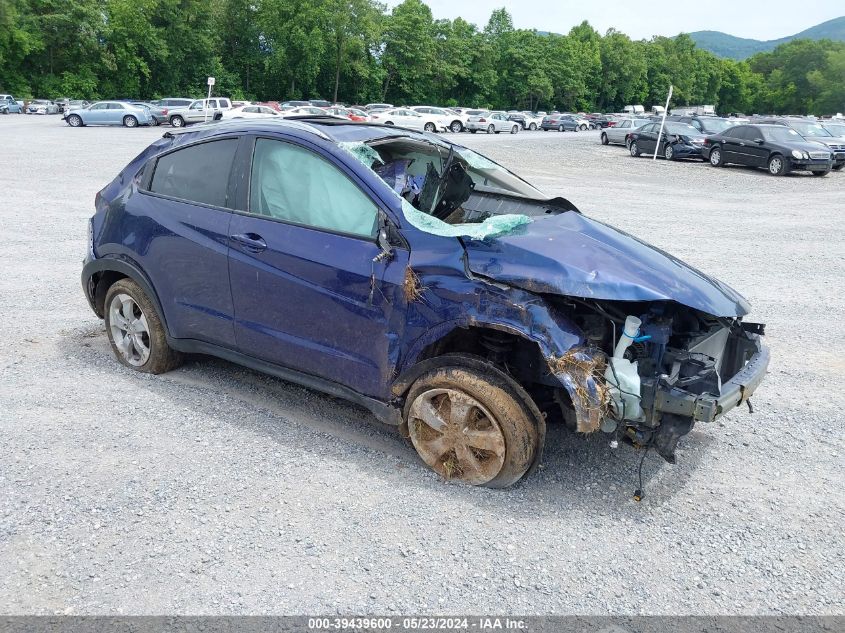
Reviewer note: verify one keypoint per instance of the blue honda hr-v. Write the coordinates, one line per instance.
(418, 278)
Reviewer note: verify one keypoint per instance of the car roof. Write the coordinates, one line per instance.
(326, 127)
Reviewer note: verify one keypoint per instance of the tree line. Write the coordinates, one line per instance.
(356, 51)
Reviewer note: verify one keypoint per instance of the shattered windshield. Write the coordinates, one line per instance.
(450, 190)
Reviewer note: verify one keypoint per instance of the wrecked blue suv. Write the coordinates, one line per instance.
(417, 278)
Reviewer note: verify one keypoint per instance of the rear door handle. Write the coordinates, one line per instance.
(250, 241)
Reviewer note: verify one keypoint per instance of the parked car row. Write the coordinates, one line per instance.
(778, 144)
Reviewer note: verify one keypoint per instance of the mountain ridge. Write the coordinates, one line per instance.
(730, 46)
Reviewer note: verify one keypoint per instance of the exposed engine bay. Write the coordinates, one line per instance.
(664, 366)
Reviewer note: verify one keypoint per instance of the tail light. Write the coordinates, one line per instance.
(164, 111)
(482, 120)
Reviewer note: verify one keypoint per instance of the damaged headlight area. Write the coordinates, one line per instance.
(649, 371)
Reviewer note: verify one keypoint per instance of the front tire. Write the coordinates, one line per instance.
(130, 121)
(532, 127)
(777, 165)
(515, 129)
(74, 120)
(604, 139)
(582, 128)
(135, 330)
(177, 121)
(634, 149)
(669, 152)
(430, 127)
(474, 425)
(716, 158)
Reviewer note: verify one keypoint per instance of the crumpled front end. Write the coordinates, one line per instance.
(649, 375)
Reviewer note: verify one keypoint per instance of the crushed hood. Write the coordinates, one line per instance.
(570, 254)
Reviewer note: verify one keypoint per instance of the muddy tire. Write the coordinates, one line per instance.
(135, 330)
(474, 425)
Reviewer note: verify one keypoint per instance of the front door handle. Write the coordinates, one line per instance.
(250, 241)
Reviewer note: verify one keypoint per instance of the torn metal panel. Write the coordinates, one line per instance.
(580, 371)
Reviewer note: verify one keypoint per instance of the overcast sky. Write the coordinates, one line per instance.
(767, 20)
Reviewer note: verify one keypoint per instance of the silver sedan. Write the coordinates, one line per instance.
(492, 122)
(617, 134)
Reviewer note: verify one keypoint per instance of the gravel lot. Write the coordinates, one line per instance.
(215, 489)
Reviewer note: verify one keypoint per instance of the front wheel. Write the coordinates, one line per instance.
(514, 129)
(430, 127)
(477, 426)
(135, 330)
(716, 157)
(634, 149)
(669, 152)
(130, 121)
(74, 120)
(777, 165)
(177, 121)
(532, 127)
(582, 128)
(604, 139)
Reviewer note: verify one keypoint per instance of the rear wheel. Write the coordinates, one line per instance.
(716, 157)
(491, 128)
(777, 165)
(532, 127)
(130, 121)
(74, 120)
(514, 129)
(476, 426)
(560, 128)
(135, 330)
(473, 131)
(634, 149)
(583, 127)
(456, 127)
(838, 167)
(604, 139)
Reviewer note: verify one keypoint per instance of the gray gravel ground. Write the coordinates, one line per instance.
(214, 489)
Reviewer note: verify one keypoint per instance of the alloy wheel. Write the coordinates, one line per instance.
(129, 330)
(456, 435)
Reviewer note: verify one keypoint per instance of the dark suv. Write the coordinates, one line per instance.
(417, 278)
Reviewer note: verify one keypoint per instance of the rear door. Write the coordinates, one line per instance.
(308, 291)
(181, 238)
(647, 138)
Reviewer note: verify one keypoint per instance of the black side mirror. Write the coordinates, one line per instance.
(759, 141)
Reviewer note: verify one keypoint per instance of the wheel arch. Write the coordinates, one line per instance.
(99, 275)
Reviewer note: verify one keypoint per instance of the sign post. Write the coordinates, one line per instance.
(211, 82)
(662, 122)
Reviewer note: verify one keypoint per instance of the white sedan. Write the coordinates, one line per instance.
(405, 117)
(250, 112)
(447, 118)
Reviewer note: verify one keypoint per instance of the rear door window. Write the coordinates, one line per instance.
(199, 173)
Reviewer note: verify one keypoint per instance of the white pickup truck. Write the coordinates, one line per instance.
(199, 111)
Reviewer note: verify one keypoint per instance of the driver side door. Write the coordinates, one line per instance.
(308, 288)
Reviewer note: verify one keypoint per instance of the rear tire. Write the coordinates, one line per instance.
(532, 127)
(491, 128)
(456, 127)
(130, 121)
(135, 330)
(492, 438)
(560, 128)
(473, 131)
(634, 149)
(515, 129)
(716, 157)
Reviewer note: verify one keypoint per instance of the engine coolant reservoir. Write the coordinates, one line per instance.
(622, 378)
